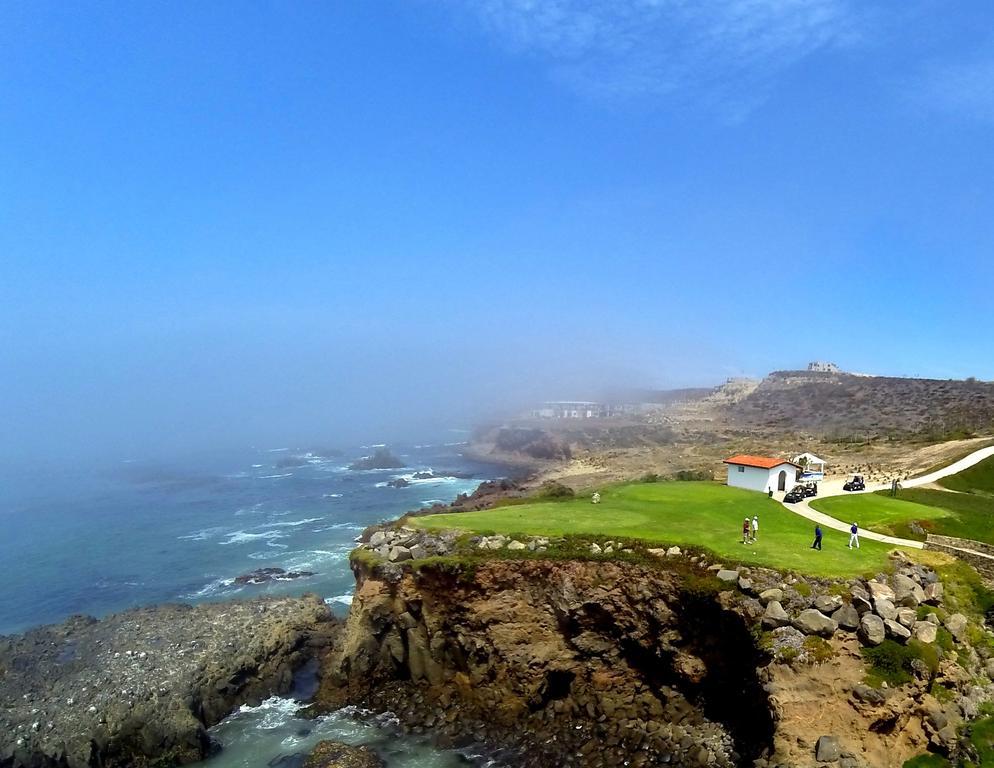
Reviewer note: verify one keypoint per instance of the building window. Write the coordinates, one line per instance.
(742, 469)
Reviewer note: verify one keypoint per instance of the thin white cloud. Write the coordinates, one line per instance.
(712, 51)
(964, 88)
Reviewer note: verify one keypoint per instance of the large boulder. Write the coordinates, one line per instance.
(861, 604)
(898, 631)
(924, 631)
(885, 609)
(768, 595)
(828, 603)
(847, 618)
(957, 624)
(933, 593)
(827, 750)
(775, 615)
(907, 592)
(871, 629)
(399, 554)
(727, 575)
(907, 617)
(880, 591)
(813, 622)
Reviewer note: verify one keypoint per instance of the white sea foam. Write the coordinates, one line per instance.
(257, 466)
(243, 537)
(276, 545)
(216, 587)
(343, 599)
(203, 534)
(278, 450)
(275, 477)
(276, 712)
(290, 523)
(339, 527)
(255, 509)
(430, 502)
(331, 495)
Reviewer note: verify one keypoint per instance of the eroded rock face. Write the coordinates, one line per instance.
(145, 684)
(603, 661)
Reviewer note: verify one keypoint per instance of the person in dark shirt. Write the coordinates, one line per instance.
(817, 541)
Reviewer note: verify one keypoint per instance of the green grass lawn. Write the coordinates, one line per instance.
(978, 479)
(701, 514)
(964, 515)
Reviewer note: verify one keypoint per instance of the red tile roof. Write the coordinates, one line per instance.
(762, 462)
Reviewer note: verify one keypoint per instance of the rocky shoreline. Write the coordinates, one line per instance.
(141, 687)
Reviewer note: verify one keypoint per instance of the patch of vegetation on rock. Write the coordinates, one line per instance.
(894, 663)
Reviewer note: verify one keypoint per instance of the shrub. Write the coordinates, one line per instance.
(892, 662)
(688, 475)
(818, 649)
(649, 477)
(553, 489)
(927, 761)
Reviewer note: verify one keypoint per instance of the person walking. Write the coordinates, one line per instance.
(854, 536)
(755, 527)
(817, 541)
(745, 531)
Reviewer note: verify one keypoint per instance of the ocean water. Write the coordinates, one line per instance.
(140, 532)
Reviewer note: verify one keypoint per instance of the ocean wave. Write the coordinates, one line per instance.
(339, 527)
(412, 480)
(203, 534)
(275, 477)
(431, 502)
(276, 545)
(343, 599)
(331, 495)
(255, 509)
(257, 466)
(216, 587)
(243, 537)
(274, 712)
(277, 450)
(290, 523)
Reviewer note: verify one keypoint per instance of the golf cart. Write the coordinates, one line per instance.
(809, 489)
(856, 484)
(794, 495)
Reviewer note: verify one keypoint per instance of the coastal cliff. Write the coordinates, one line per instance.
(560, 663)
(142, 687)
(563, 661)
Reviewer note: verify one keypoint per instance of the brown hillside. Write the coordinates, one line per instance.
(839, 405)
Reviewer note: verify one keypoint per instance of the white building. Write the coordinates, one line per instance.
(812, 467)
(570, 409)
(759, 473)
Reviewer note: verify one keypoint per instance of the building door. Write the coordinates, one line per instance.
(782, 481)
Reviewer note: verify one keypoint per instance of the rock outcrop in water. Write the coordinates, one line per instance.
(142, 687)
(335, 754)
(381, 459)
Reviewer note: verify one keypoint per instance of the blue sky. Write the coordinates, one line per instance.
(249, 219)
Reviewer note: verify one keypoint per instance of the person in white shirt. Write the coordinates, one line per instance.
(854, 536)
(755, 526)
